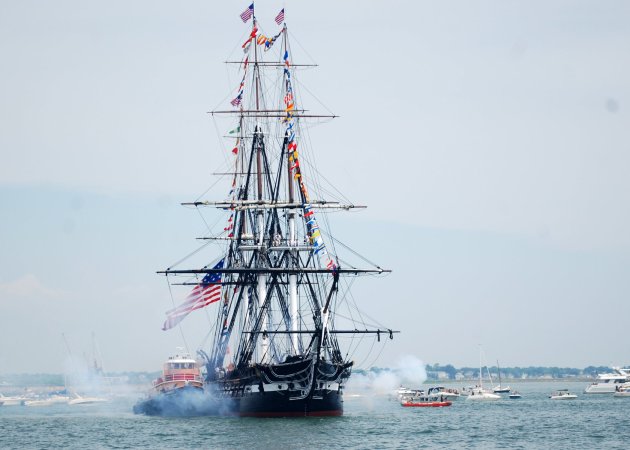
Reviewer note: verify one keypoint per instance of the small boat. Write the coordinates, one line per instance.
(425, 403)
(14, 400)
(406, 392)
(500, 389)
(515, 395)
(178, 392)
(562, 394)
(39, 402)
(478, 393)
(54, 398)
(443, 392)
(79, 400)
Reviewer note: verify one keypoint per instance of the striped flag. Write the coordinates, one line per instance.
(206, 292)
(280, 17)
(248, 13)
(237, 100)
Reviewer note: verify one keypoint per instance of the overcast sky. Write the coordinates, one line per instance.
(490, 140)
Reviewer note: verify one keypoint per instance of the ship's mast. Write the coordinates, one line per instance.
(293, 293)
(260, 215)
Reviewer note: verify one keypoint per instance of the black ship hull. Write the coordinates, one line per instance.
(274, 404)
(298, 388)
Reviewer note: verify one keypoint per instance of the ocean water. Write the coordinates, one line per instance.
(370, 421)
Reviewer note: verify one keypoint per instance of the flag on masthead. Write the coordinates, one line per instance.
(280, 17)
(248, 13)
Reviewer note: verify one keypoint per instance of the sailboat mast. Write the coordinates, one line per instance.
(480, 377)
(499, 369)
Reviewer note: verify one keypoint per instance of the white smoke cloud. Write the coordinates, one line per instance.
(408, 371)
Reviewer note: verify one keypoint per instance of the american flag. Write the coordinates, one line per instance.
(206, 292)
(280, 17)
(248, 13)
(236, 101)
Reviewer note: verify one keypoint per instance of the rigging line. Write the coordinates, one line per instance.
(246, 33)
(299, 84)
(344, 301)
(207, 336)
(363, 361)
(361, 313)
(355, 342)
(294, 39)
(225, 151)
(179, 325)
(379, 353)
(356, 253)
(190, 254)
(369, 352)
(203, 219)
(315, 97)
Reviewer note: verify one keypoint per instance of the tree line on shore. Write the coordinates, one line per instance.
(449, 372)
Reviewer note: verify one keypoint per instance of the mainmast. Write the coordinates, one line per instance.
(293, 293)
(260, 214)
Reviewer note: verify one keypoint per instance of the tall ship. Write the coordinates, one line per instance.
(274, 273)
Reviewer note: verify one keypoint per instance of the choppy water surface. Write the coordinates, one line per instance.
(370, 421)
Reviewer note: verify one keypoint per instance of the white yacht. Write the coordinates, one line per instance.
(607, 383)
(80, 400)
(12, 401)
(562, 394)
(443, 392)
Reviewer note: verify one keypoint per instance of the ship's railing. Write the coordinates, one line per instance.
(178, 377)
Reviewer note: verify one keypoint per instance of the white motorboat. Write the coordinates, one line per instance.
(12, 401)
(515, 395)
(39, 402)
(79, 400)
(607, 383)
(405, 392)
(562, 394)
(449, 394)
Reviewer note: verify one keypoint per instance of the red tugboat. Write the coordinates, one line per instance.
(178, 392)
